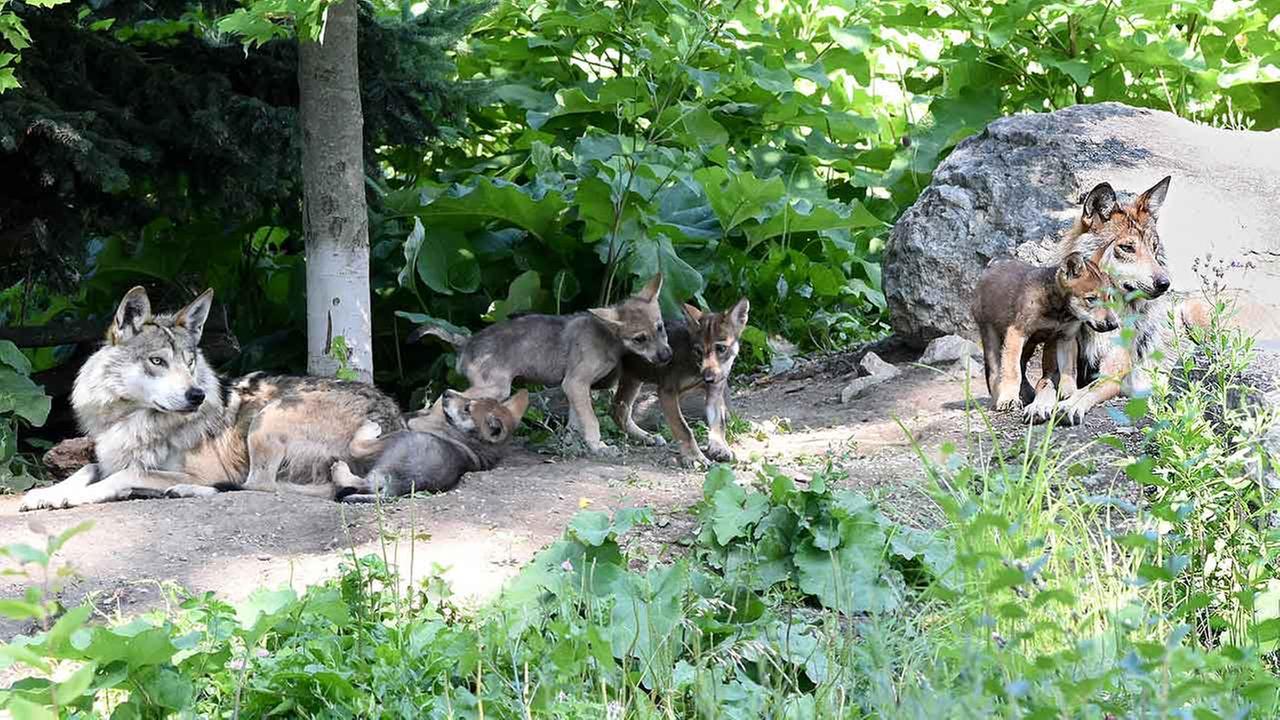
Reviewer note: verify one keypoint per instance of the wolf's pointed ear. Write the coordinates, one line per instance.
(609, 316)
(134, 311)
(192, 316)
(517, 404)
(1151, 200)
(649, 293)
(739, 312)
(1073, 266)
(1100, 202)
(692, 314)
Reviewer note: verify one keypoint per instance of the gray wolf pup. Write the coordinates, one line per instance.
(703, 346)
(1018, 306)
(1123, 240)
(433, 456)
(577, 352)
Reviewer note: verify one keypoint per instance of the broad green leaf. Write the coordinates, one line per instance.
(485, 200)
(11, 356)
(446, 262)
(652, 254)
(523, 294)
(22, 397)
(803, 216)
(591, 527)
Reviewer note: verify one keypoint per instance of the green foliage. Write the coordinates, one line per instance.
(21, 401)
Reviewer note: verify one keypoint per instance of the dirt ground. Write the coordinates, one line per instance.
(482, 532)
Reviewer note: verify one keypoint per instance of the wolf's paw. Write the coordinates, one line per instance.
(367, 432)
(606, 451)
(694, 459)
(1002, 404)
(43, 499)
(1039, 411)
(1073, 410)
(646, 438)
(189, 490)
(719, 453)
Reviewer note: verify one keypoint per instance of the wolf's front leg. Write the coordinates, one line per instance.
(690, 454)
(624, 399)
(582, 416)
(55, 496)
(717, 420)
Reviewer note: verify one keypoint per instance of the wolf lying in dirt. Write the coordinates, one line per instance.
(703, 346)
(577, 352)
(163, 425)
(1017, 306)
(432, 456)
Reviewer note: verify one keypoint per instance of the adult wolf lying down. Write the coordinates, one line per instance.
(163, 425)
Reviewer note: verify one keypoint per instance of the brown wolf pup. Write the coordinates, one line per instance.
(703, 346)
(1123, 240)
(1019, 306)
(577, 352)
(471, 434)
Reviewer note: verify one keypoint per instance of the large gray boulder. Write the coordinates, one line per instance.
(1012, 188)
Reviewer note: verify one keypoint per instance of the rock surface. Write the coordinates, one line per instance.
(68, 456)
(873, 365)
(949, 349)
(1012, 188)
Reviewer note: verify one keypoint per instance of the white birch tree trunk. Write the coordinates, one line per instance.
(335, 219)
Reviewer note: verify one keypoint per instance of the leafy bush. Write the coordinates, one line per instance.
(21, 400)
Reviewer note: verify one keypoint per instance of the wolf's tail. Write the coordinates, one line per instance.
(457, 341)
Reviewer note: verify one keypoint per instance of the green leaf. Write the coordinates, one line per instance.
(76, 685)
(22, 397)
(446, 262)
(591, 528)
(734, 511)
(464, 207)
(522, 295)
(11, 356)
(26, 710)
(651, 254)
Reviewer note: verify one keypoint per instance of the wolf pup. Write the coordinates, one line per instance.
(154, 408)
(432, 457)
(703, 346)
(1121, 239)
(576, 352)
(1018, 306)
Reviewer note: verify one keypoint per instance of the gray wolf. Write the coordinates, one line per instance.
(1017, 306)
(163, 425)
(578, 352)
(1122, 239)
(154, 408)
(432, 457)
(703, 347)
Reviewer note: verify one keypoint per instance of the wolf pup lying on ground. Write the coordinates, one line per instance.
(1018, 306)
(703, 346)
(433, 456)
(576, 352)
(1121, 239)
(162, 426)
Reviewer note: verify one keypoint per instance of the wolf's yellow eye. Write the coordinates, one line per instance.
(157, 361)
(638, 338)
(722, 348)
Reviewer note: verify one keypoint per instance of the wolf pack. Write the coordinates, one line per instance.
(163, 424)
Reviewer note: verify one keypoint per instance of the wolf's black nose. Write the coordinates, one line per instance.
(195, 396)
(708, 376)
(1162, 283)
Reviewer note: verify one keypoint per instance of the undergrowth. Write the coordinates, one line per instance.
(1032, 598)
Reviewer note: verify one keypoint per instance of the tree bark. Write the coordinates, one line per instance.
(335, 219)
